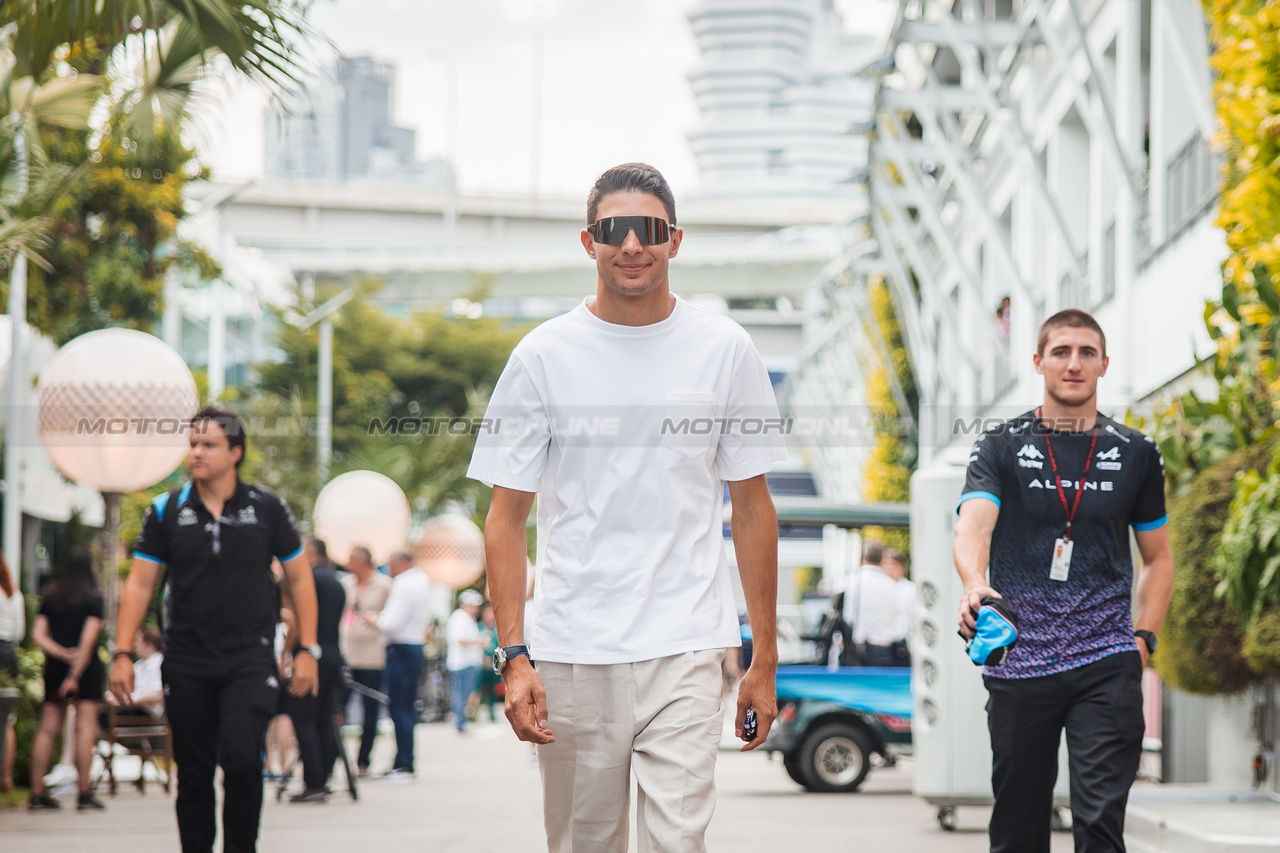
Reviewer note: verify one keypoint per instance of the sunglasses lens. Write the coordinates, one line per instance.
(650, 230)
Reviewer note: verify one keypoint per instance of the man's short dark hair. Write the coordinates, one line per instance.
(872, 552)
(631, 177)
(151, 636)
(1070, 318)
(230, 423)
(318, 545)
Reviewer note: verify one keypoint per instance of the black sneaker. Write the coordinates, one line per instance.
(42, 803)
(88, 802)
(311, 795)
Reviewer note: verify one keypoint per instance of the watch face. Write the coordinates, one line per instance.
(499, 660)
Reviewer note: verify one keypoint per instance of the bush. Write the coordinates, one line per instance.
(31, 682)
(1201, 639)
(1262, 644)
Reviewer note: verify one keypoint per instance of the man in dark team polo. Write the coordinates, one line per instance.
(218, 535)
(1048, 503)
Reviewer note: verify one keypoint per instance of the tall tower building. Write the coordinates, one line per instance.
(778, 95)
(340, 127)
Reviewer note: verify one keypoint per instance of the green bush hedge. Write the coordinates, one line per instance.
(1201, 640)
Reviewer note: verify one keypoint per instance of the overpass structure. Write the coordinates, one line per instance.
(510, 256)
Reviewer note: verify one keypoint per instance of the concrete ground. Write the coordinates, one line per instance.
(480, 793)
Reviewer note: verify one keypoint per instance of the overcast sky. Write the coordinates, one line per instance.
(613, 90)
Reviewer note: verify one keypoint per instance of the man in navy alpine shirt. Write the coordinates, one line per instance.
(1048, 503)
(217, 536)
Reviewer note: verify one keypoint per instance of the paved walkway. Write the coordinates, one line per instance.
(480, 793)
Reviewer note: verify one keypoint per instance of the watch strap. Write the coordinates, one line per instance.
(1148, 637)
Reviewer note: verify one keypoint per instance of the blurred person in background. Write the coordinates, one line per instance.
(67, 630)
(313, 715)
(403, 625)
(367, 590)
(870, 608)
(147, 697)
(466, 653)
(13, 627)
(895, 566)
(488, 679)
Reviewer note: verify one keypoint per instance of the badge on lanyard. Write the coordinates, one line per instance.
(1060, 567)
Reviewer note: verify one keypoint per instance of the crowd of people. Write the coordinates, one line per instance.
(265, 643)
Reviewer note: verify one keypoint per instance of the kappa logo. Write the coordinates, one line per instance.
(187, 517)
(272, 682)
(1111, 429)
(247, 516)
(1029, 451)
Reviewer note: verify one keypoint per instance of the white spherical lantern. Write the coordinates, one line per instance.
(362, 508)
(451, 551)
(113, 409)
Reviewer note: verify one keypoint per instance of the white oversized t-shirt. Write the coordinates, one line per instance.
(627, 434)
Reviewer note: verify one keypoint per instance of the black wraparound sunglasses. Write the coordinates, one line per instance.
(650, 230)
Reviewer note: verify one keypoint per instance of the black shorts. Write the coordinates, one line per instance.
(91, 681)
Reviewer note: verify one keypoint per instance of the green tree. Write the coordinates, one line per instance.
(132, 65)
(426, 370)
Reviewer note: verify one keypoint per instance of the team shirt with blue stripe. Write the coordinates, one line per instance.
(1065, 624)
(223, 604)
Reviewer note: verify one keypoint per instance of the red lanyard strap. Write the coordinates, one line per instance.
(1062, 496)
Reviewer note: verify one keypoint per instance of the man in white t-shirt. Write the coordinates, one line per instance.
(895, 566)
(870, 608)
(403, 625)
(624, 418)
(465, 653)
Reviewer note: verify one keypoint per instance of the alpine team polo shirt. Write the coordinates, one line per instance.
(223, 601)
(1065, 624)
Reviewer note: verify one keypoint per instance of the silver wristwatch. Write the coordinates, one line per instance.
(314, 651)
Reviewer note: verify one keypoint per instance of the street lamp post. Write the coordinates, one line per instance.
(13, 423)
(324, 393)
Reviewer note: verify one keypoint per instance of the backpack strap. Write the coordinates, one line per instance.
(166, 506)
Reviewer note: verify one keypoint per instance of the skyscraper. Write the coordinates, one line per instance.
(339, 127)
(778, 95)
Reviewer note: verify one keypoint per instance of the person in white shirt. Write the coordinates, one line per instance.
(148, 687)
(895, 566)
(624, 418)
(465, 653)
(403, 625)
(871, 607)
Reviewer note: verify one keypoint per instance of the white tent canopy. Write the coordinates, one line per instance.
(46, 493)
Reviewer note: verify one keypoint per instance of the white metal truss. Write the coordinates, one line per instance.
(1011, 156)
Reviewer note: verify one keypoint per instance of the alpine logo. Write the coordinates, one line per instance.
(187, 517)
(1029, 451)
(272, 682)
(1106, 460)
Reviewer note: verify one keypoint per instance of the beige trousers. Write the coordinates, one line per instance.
(660, 719)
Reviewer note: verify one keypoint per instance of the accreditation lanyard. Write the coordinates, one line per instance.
(1057, 480)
